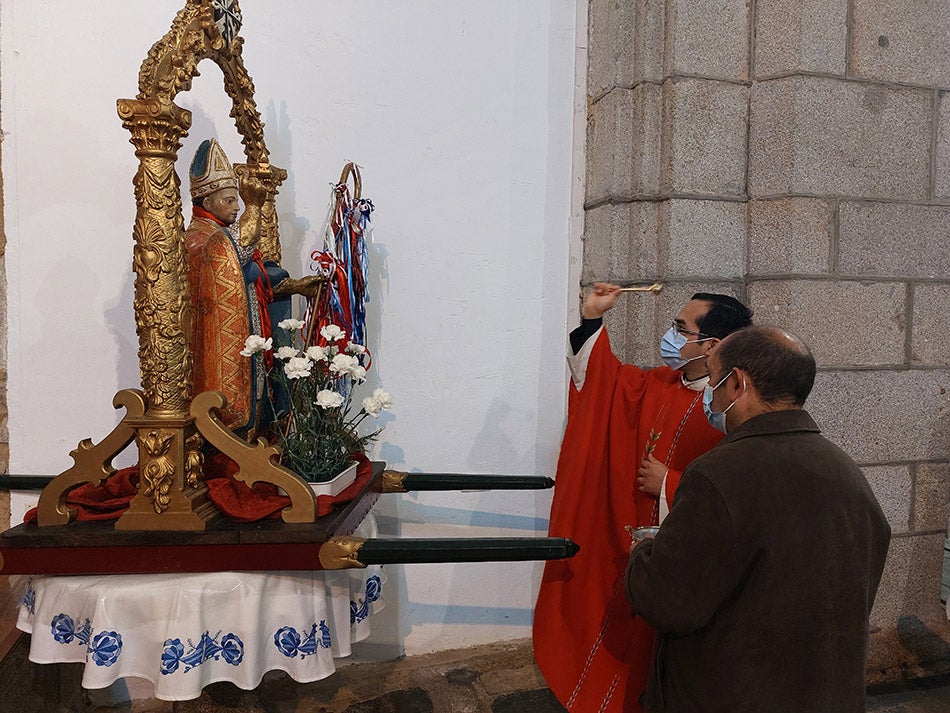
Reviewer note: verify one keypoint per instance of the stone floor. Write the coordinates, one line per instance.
(930, 695)
(498, 678)
(494, 679)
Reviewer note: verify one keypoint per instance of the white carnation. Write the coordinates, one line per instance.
(332, 333)
(329, 399)
(358, 373)
(298, 367)
(383, 397)
(371, 406)
(254, 344)
(354, 348)
(286, 353)
(344, 364)
(316, 353)
(291, 325)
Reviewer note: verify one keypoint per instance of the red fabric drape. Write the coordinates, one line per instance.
(233, 498)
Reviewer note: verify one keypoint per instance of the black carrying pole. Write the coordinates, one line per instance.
(474, 481)
(24, 482)
(474, 549)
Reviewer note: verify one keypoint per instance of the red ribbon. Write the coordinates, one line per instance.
(265, 295)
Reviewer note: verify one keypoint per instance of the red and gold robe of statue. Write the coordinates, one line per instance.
(594, 653)
(222, 319)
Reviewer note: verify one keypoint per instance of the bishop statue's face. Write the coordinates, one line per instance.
(224, 205)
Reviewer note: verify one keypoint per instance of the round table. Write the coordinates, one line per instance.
(185, 631)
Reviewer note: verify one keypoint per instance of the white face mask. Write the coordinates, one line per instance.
(671, 345)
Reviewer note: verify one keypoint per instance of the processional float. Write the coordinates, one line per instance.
(171, 525)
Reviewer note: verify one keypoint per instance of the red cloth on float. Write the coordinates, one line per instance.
(233, 498)
(594, 654)
(103, 502)
(239, 502)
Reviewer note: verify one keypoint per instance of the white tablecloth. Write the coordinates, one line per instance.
(184, 631)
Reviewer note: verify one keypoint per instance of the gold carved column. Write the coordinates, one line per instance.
(171, 493)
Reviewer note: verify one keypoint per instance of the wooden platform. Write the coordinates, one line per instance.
(98, 548)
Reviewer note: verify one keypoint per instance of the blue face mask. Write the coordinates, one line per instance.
(670, 346)
(717, 419)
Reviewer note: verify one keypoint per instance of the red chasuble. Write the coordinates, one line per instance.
(221, 319)
(594, 653)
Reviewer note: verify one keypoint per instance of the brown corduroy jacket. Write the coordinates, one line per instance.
(761, 579)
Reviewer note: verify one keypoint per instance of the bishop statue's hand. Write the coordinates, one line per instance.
(308, 286)
(252, 190)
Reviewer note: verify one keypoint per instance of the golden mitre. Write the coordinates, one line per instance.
(210, 170)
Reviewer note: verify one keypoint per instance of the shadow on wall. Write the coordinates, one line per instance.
(927, 647)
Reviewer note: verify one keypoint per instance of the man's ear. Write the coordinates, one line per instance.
(709, 345)
(742, 382)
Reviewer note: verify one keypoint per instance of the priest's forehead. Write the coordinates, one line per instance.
(691, 313)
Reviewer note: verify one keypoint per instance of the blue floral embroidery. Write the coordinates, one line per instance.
(290, 642)
(287, 641)
(374, 588)
(231, 649)
(29, 599)
(106, 647)
(64, 630)
(359, 610)
(171, 656)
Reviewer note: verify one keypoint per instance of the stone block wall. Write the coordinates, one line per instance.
(4, 433)
(795, 153)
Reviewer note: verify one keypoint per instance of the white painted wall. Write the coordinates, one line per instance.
(462, 116)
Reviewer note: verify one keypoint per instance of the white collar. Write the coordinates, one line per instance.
(696, 384)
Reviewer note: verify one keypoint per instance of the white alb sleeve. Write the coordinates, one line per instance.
(578, 362)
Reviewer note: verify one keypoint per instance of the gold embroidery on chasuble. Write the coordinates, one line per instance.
(221, 320)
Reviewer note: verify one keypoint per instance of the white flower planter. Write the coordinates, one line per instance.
(337, 484)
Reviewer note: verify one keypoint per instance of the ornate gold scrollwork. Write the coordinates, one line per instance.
(172, 61)
(257, 463)
(91, 463)
(159, 470)
(194, 461)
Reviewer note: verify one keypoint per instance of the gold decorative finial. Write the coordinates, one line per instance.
(341, 553)
(392, 481)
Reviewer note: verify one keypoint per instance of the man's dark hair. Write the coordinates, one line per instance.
(781, 366)
(726, 314)
(200, 202)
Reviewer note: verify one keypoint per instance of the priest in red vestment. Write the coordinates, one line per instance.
(630, 434)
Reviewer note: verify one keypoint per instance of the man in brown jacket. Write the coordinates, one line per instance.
(761, 579)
